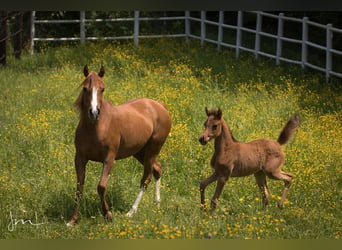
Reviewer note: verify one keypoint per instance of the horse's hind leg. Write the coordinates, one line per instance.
(147, 157)
(287, 178)
(260, 178)
(157, 172)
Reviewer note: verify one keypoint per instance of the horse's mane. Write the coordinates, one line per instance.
(78, 104)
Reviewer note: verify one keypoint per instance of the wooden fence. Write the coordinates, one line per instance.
(221, 37)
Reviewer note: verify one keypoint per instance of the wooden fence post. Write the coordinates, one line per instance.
(3, 36)
(187, 25)
(238, 33)
(203, 28)
(279, 37)
(82, 26)
(304, 40)
(136, 28)
(220, 30)
(328, 52)
(33, 32)
(257, 34)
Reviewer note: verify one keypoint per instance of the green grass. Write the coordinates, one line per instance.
(37, 123)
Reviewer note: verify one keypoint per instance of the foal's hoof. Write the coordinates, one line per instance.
(108, 217)
(203, 207)
(280, 205)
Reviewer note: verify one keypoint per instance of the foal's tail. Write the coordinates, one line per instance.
(289, 130)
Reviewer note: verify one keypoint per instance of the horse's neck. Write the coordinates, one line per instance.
(225, 139)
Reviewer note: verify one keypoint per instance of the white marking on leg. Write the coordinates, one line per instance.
(136, 203)
(157, 191)
(94, 101)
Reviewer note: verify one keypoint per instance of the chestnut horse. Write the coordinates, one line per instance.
(262, 157)
(106, 133)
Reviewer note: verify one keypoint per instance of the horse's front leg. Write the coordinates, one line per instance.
(101, 188)
(80, 163)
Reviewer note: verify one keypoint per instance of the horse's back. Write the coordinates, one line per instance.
(140, 121)
(156, 111)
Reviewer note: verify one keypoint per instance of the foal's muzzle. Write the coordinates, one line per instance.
(94, 114)
(202, 140)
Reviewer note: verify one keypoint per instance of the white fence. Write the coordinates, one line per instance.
(220, 38)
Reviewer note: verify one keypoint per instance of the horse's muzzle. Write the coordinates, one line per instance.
(202, 140)
(94, 114)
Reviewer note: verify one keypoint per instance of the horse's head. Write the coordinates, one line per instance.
(92, 95)
(212, 126)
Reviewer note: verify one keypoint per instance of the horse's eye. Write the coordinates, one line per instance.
(214, 127)
(84, 89)
(102, 90)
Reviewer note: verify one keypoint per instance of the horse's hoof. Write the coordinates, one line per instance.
(130, 213)
(108, 217)
(70, 224)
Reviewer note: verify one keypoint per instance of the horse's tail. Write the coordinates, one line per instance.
(289, 130)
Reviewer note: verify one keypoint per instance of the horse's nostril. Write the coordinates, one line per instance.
(201, 140)
(94, 114)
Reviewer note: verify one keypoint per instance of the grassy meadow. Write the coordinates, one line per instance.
(38, 120)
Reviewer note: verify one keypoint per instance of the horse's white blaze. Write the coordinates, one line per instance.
(94, 100)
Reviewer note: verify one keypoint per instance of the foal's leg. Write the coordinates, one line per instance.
(260, 178)
(221, 181)
(204, 184)
(287, 178)
(80, 164)
(101, 188)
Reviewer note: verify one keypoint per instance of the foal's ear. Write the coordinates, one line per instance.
(102, 71)
(207, 111)
(85, 70)
(218, 115)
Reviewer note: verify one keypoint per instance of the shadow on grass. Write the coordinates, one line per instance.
(61, 205)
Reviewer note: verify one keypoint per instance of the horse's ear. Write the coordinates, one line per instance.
(218, 115)
(85, 70)
(102, 72)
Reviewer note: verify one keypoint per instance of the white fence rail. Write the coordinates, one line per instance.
(220, 38)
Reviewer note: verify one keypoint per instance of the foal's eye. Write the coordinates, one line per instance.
(102, 90)
(214, 127)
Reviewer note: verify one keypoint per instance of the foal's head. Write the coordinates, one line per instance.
(90, 99)
(212, 126)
